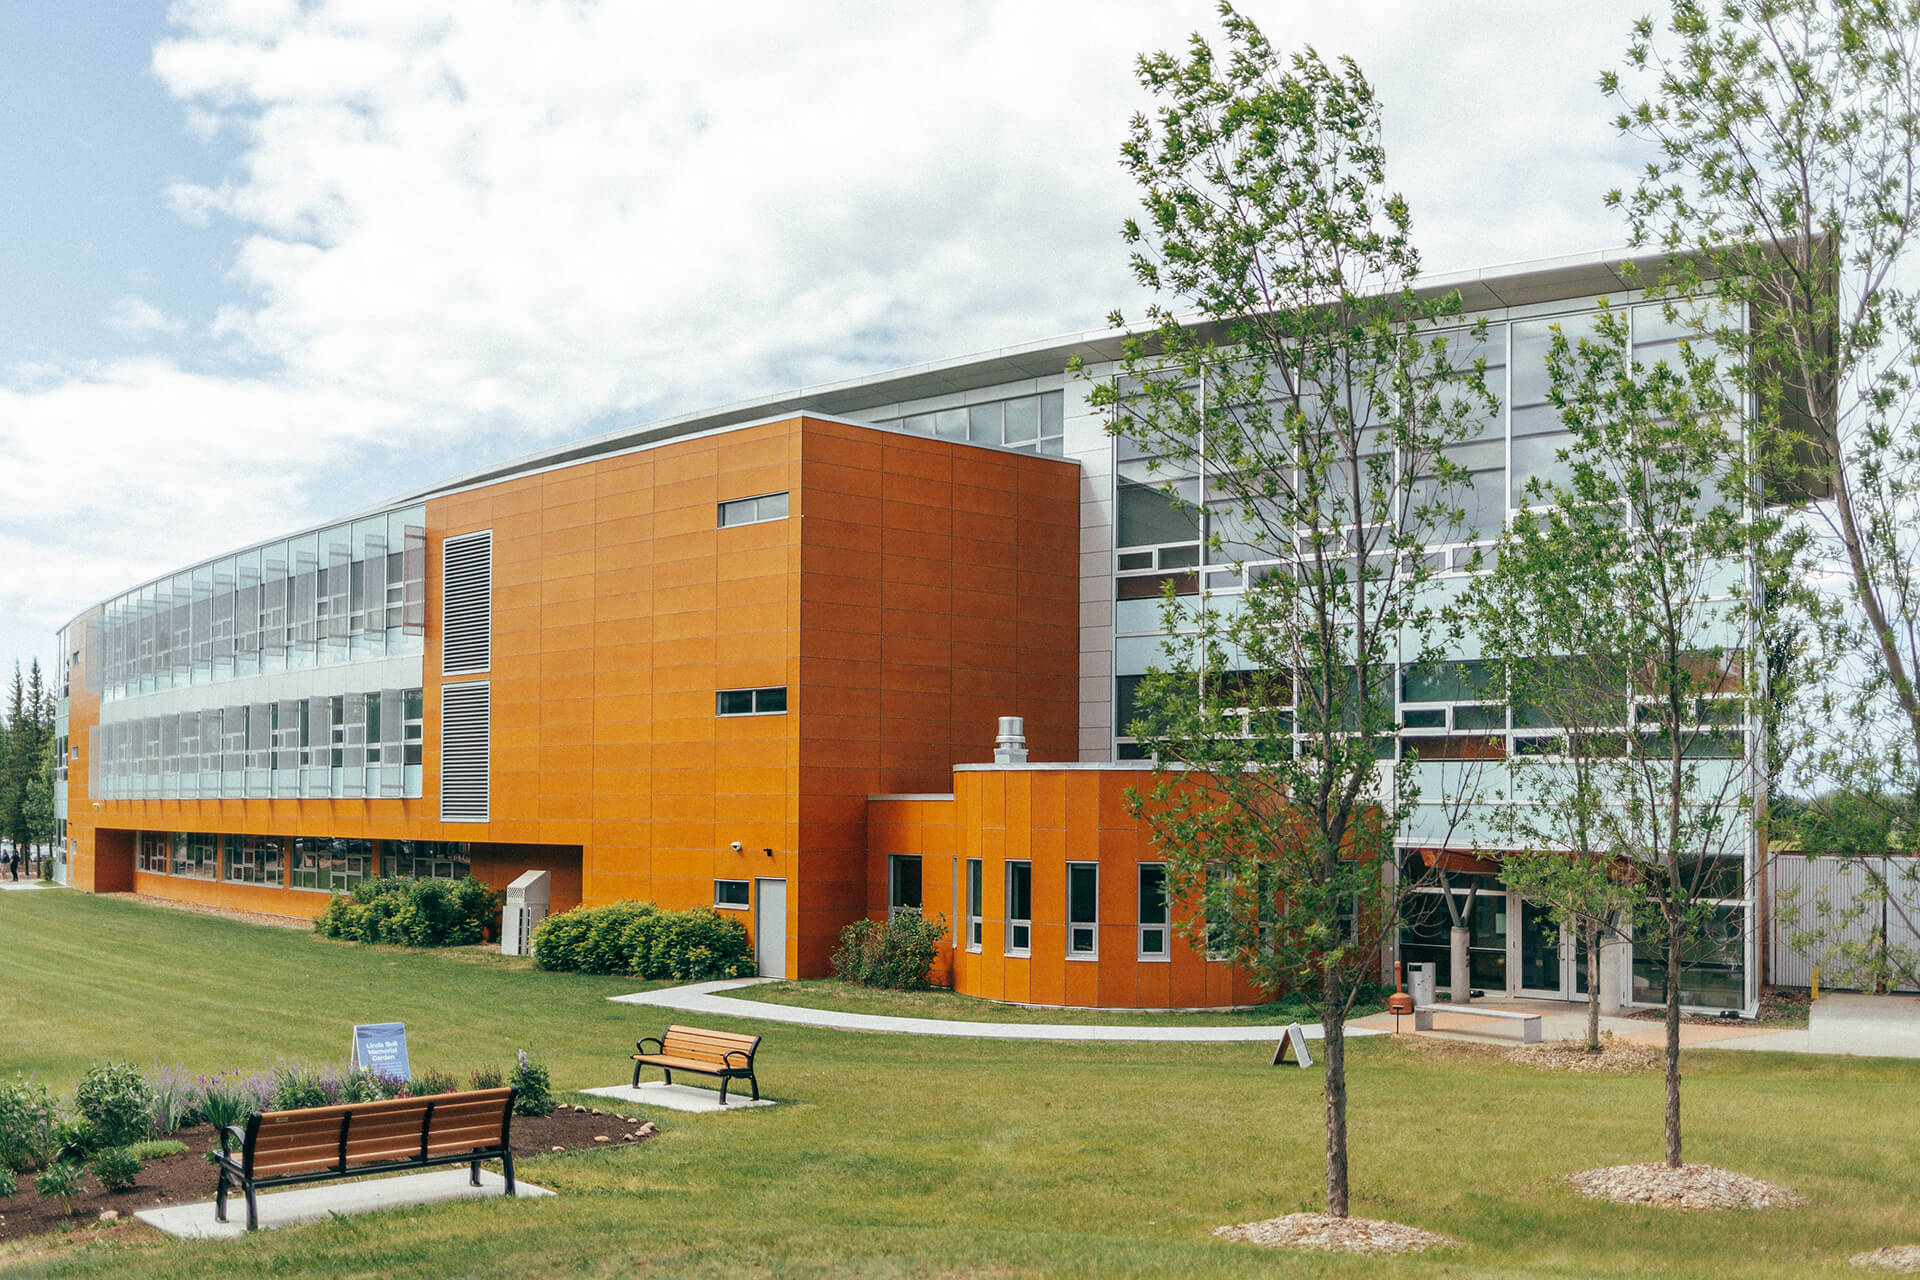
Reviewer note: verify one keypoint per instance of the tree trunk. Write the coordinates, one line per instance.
(1333, 1015)
(1673, 1044)
(1593, 988)
(1461, 988)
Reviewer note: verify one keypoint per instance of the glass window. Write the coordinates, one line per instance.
(1019, 908)
(769, 506)
(1147, 514)
(731, 894)
(427, 859)
(154, 855)
(903, 884)
(1712, 966)
(751, 702)
(197, 856)
(1083, 909)
(1153, 911)
(1022, 420)
(983, 423)
(254, 860)
(975, 917)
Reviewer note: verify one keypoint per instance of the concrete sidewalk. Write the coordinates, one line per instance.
(1846, 1023)
(705, 997)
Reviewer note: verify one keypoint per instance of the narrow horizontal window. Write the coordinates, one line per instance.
(768, 506)
(731, 893)
(751, 702)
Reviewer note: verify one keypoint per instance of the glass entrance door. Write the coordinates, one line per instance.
(1549, 965)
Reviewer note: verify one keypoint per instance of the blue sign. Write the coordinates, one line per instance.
(381, 1047)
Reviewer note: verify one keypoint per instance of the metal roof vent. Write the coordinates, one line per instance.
(1011, 746)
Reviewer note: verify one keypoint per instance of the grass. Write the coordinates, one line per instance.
(894, 1156)
(847, 997)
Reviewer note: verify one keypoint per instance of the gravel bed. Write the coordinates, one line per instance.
(1348, 1235)
(1691, 1186)
(1903, 1258)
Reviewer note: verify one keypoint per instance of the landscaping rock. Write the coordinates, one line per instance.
(1691, 1186)
(1348, 1235)
(109, 1215)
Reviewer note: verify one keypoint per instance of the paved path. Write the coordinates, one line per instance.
(1844, 1023)
(705, 997)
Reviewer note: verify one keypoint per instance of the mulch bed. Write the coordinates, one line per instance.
(1691, 1186)
(1336, 1235)
(186, 1177)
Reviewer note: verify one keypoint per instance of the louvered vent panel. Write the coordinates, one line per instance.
(466, 729)
(466, 604)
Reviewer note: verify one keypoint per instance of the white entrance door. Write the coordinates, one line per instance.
(770, 927)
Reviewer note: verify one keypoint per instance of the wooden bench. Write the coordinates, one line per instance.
(1529, 1022)
(278, 1148)
(707, 1053)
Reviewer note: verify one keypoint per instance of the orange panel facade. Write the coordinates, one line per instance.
(1055, 821)
(913, 591)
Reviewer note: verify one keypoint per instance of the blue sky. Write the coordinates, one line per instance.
(266, 261)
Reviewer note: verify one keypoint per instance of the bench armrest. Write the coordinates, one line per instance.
(659, 1046)
(233, 1131)
(746, 1060)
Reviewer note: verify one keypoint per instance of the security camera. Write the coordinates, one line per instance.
(735, 846)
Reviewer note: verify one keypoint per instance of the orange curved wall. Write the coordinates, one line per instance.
(1050, 816)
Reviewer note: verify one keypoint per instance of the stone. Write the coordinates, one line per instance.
(109, 1215)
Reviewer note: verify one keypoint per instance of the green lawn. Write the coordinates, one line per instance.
(830, 993)
(905, 1156)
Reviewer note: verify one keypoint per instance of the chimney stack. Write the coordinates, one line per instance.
(1011, 746)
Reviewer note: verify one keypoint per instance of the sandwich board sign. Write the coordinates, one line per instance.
(1294, 1038)
(381, 1047)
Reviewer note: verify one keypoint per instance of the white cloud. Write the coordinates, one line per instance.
(134, 316)
(537, 219)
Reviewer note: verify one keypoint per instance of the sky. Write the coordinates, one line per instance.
(264, 262)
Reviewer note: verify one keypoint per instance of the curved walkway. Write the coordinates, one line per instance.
(705, 997)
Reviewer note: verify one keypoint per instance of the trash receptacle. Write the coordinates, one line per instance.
(1421, 984)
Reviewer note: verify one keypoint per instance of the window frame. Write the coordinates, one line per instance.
(1092, 927)
(755, 696)
(753, 503)
(746, 898)
(976, 904)
(896, 863)
(1020, 926)
(1142, 925)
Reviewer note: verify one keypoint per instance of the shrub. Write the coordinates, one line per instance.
(26, 1122)
(116, 1097)
(487, 1078)
(224, 1106)
(297, 1085)
(413, 913)
(118, 1168)
(895, 953)
(60, 1181)
(533, 1094)
(74, 1139)
(9, 1183)
(641, 940)
(430, 1081)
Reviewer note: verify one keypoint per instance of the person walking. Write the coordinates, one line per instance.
(12, 860)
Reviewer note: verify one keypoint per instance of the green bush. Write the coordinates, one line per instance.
(116, 1097)
(26, 1122)
(487, 1078)
(9, 1183)
(406, 912)
(225, 1107)
(60, 1181)
(895, 953)
(533, 1091)
(74, 1140)
(430, 1081)
(118, 1168)
(641, 940)
(296, 1085)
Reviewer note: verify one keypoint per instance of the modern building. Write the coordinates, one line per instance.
(756, 657)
